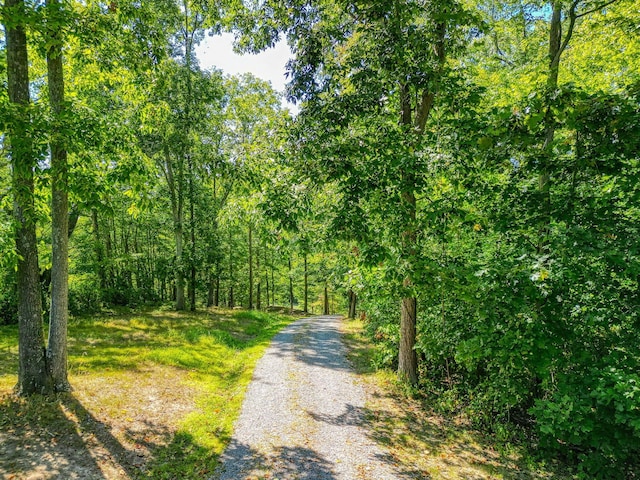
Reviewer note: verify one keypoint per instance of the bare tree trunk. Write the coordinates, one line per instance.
(306, 285)
(59, 312)
(273, 284)
(216, 295)
(178, 235)
(231, 304)
(266, 276)
(353, 298)
(258, 280)
(325, 310)
(192, 244)
(210, 291)
(250, 269)
(290, 287)
(407, 358)
(33, 376)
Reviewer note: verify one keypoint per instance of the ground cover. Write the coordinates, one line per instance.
(155, 394)
(428, 443)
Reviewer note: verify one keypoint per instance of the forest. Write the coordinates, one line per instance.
(462, 175)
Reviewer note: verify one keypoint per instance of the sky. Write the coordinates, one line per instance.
(269, 65)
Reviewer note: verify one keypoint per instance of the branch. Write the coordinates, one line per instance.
(572, 24)
(573, 16)
(595, 9)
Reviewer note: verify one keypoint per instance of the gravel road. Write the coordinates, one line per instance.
(302, 417)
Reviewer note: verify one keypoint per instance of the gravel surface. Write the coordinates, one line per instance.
(303, 414)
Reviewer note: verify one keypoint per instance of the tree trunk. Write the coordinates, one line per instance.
(178, 234)
(250, 269)
(353, 298)
(210, 291)
(290, 287)
(407, 358)
(230, 299)
(258, 280)
(216, 295)
(59, 312)
(273, 284)
(325, 309)
(266, 276)
(33, 376)
(306, 285)
(192, 230)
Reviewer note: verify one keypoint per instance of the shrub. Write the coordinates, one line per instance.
(595, 417)
(84, 294)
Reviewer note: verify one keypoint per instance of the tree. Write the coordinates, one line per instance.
(365, 67)
(59, 311)
(33, 376)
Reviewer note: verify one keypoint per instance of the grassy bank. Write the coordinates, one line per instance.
(155, 395)
(429, 444)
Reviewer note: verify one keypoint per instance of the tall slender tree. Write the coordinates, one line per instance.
(59, 311)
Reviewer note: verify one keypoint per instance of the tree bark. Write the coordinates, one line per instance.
(33, 375)
(407, 358)
(353, 298)
(250, 268)
(258, 280)
(325, 309)
(59, 312)
(290, 287)
(306, 285)
(266, 275)
(210, 291)
(231, 302)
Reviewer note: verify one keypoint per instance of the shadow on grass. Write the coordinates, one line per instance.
(57, 437)
(241, 461)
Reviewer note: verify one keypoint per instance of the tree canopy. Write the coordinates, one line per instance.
(462, 175)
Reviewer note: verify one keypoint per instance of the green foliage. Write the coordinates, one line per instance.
(84, 294)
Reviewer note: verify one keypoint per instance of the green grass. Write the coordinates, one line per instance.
(200, 362)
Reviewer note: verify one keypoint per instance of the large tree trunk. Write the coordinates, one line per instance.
(59, 312)
(33, 376)
(407, 359)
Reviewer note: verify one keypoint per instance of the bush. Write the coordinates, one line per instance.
(84, 294)
(8, 308)
(595, 417)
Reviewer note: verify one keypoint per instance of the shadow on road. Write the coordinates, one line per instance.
(312, 341)
(242, 462)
